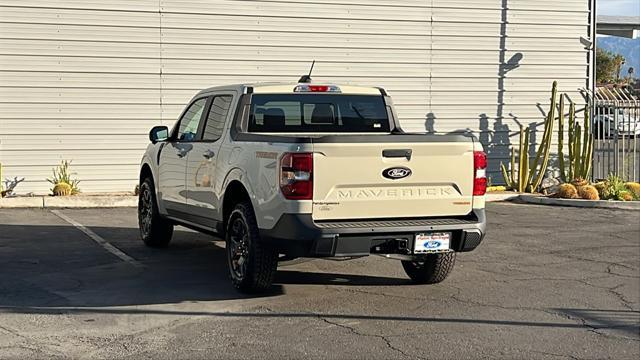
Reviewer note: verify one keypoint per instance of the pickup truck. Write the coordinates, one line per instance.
(282, 171)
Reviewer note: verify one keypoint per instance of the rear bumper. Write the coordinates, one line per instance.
(297, 235)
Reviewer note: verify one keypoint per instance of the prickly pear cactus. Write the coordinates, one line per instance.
(588, 192)
(61, 189)
(567, 191)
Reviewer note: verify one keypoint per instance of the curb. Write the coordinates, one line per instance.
(604, 204)
(495, 197)
(22, 202)
(97, 201)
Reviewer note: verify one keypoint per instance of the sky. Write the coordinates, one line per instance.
(618, 7)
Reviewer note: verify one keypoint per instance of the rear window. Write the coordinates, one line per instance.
(318, 113)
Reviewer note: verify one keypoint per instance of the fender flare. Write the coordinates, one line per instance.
(237, 174)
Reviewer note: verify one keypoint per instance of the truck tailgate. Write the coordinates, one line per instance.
(349, 183)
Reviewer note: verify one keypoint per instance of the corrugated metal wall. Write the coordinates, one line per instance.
(85, 80)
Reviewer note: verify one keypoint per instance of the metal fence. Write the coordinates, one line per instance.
(616, 132)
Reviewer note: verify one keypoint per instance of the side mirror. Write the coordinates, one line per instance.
(158, 133)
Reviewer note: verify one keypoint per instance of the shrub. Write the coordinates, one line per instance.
(8, 186)
(567, 191)
(613, 188)
(588, 192)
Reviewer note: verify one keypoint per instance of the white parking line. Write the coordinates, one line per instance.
(95, 237)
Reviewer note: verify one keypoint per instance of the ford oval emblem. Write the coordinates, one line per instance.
(397, 172)
(432, 244)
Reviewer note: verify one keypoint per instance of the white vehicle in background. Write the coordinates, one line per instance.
(608, 123)
(312, 170)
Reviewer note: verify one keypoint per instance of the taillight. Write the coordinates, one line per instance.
(479, 173)
(296, 176)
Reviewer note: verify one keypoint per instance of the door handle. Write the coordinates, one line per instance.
(397, 153)
(209, 154)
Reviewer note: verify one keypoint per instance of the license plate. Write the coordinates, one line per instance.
(432, 242)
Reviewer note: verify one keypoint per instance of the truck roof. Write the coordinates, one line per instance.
(288, 88)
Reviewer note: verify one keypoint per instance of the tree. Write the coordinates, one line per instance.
(618, 61)
(608, 66)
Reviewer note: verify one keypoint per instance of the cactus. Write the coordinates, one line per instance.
(496, 188)
(529, 176)
(601, 187)
(578, 182)
(634, 188)
(580, 144)
(625, 196)
(61, 174)
(567, 191)
(61, 189)
(523, 166)
(545, 145)
(577, 145)
(563, 174)
(571, 145)
(588, 192)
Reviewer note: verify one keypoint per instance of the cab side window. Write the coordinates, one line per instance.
(190, 121)
(217, 117)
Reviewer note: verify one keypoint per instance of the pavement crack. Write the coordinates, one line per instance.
(360, 291)
(596, 329)
(626, 303)
(354, 331)
(121, 339)
(457, 298)
(563, 356)
(41, 346)
(579, 258)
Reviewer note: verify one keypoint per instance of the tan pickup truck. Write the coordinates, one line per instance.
(282, 171)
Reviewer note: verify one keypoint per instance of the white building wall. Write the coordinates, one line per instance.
(85, 80)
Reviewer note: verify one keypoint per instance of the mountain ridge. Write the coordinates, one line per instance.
(629, 48)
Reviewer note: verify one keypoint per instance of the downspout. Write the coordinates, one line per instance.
(591, 59)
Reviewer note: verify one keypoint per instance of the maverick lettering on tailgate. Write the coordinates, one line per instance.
(394, 193)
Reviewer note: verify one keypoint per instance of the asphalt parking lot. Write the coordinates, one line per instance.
(548, 283)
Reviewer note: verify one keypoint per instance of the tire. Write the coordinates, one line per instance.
(252, 263)
(155, 230)
(434, 269)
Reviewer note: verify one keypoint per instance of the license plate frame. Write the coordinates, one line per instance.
(432, 242)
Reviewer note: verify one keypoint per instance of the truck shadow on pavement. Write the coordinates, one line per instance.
(318, 278)
(59, 270)
(59, 266)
